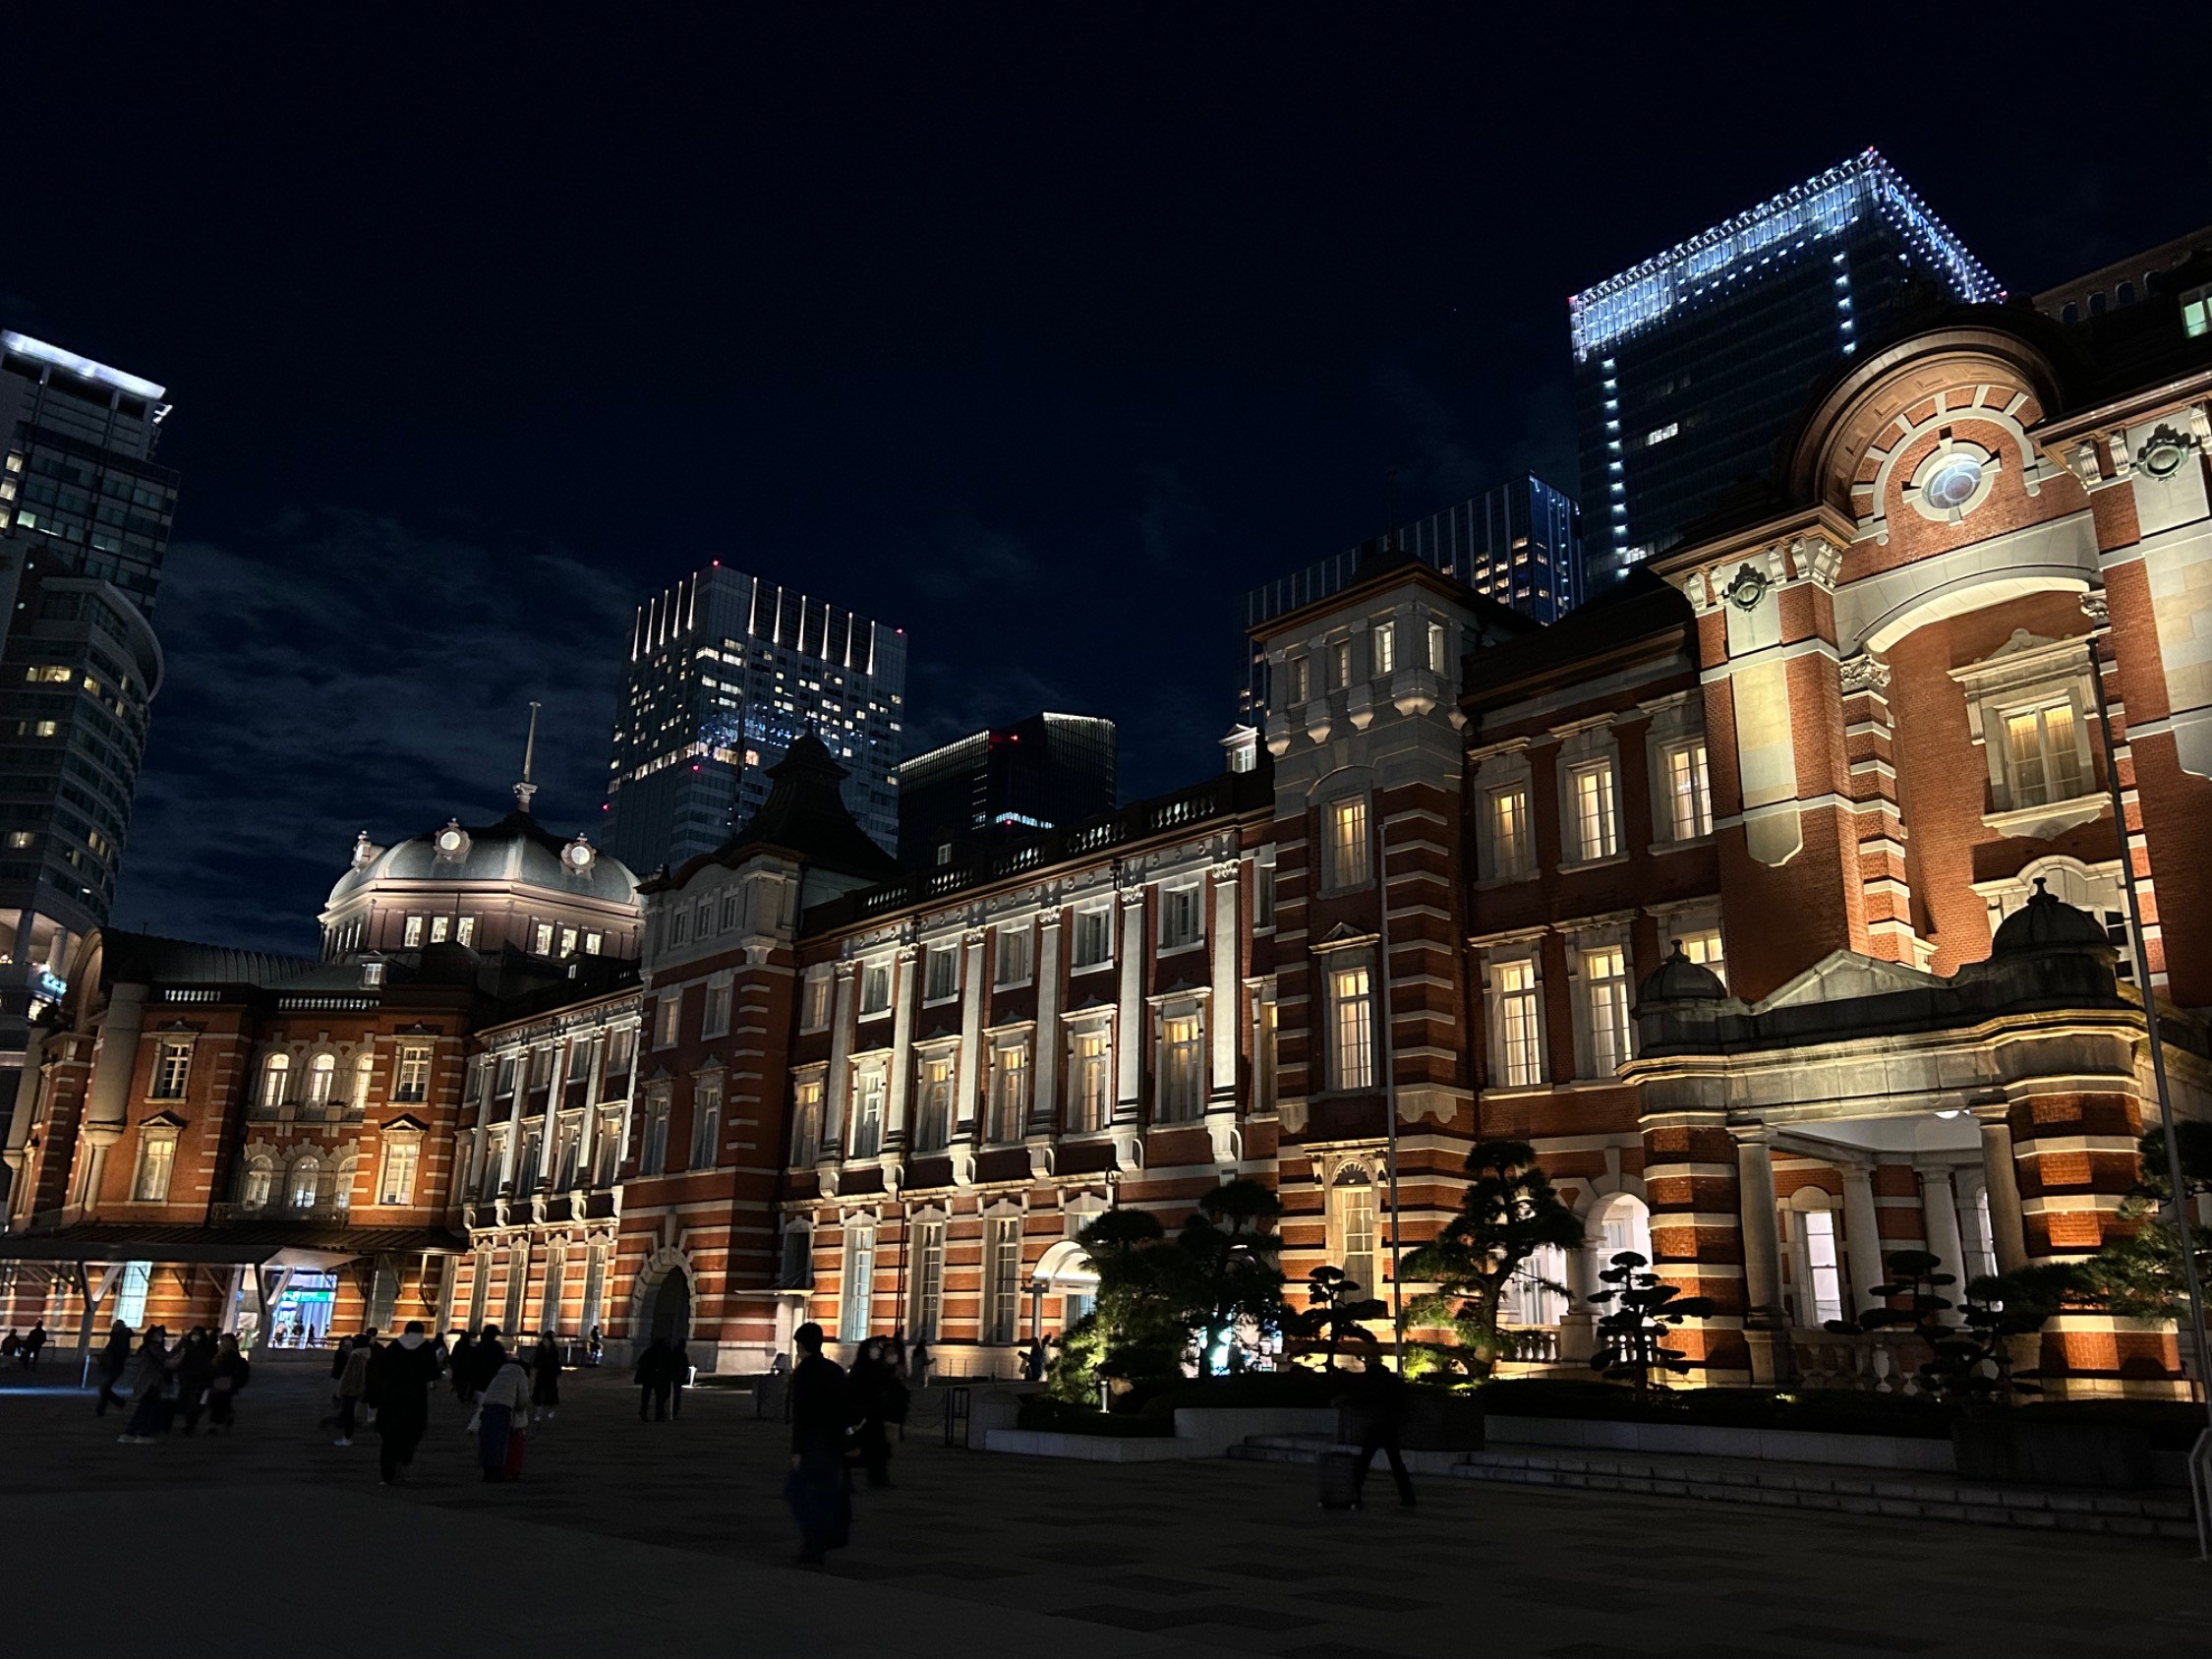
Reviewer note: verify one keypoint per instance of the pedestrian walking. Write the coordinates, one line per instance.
(405, 1372)
(462, 1370)
(652, 1376)
(502, 1409)
(150, 1381)
(32, 1344)
(815, 1488)
(114, 1360)
(1377, 1397)
(594, 1349)
(195, 1369)
(545, 1379)
(491, 1354)
(919, 1361)
(878, 1400)
(353, 1383)
(679, 1377)
(231, 1372)
(1033, 1361)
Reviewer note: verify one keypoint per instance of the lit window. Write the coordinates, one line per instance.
(1605, 973)
(396, 1185)
(322, 1075)
(706, 1125)
(866, 1139)
(814, 1000)
(306, 1176)
(1348, 843)
(1597, 833)
(2197, 312)
(157, 1158)
(172, 1069)
(1689, 796)
(412, 1081)
(568, 941)
(276, 1079)
(22, 838)
(1090, 1065)
(806, 1124)
(1182, 1069)
(1009, 1093)
(1301, 679)
(1002, 1277)
(666, 1017)
(858, 1288)
(1702, 945)
(1352, 1225)
(413, 937)
(1351, 1028)
(1661, 434)
(594, 943)
(1823, 1274)
(1263, 1056)
(928, 1311)
(1519, 1023)
(256, 1184)
(1435, 647)
(933, 1123)
(1012, 961)
(364, 1069)
(2043, 754)
(541, 939)
(1385, 636)
(875, 988)
(1340, 665)
(464, 930)
(1509, 831)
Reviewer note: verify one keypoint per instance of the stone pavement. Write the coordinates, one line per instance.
(670, 1538)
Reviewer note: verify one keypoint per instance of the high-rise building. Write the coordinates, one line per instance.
(1519, 543)
(726, 670)
(84, 520)
(1040, 773)
(1690, 366)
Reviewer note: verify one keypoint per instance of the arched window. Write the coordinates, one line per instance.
(341, 1186)
(322, 1075)
(306, 1175)
(257, 1182)
(2127, 293)
(1351, 1226)
(1617, 1224)
(276, 1076)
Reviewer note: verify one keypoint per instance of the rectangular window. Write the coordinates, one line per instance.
(1702, 945)
(1264, 1055)
(1519, 1024)
(1822, 1272)
(607, 1151)
(411, 1082)
(653, 1147)
(172, 1069)
(1510, 846)
(858, 1288)
(1181, 1069)
(928, 1312)
(806, 1124)
(796, 1270)
(2197, 312)
(875, 988)
(942, 980)
(932, 1120)
(666, 1016)
(731, 911)
(1353, 1204)
(1180, 908)
(568, 941)
(1348, 843)
(594, 943)
(2043, 754)
(1009, 1093)
(1385, 636)
(1340, 664)
(1605, 973)
(396, 1185)
(1014, 950)
(1301, 679)
(715, 1021)
(413, 935)
(131, 1292)
(437, 928)
(1351, 1028)
(541, 1068)
(542, 937)
(1596, 829)
(158, 1158)
(866, 1139)
(706, 1125)
(1002, 1277)
(1263, 895)
(1689, 797)
(464, 930)
(1435, 647)
(1095, 938)
(1090, 1070)
(814, 1000)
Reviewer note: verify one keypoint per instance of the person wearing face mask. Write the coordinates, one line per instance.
(407, 1371)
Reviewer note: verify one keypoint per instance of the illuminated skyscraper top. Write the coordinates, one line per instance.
(1690, 366)
(724, 671)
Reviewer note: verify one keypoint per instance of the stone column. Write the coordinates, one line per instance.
(1044, 1089)
(970, 1069)
(1130, 1036)
(2007, 1236)
(833, 1081)
(1862, 1237)
(1224, 1018)
(1939, 1208)
(115, 1063)
(1578, 1330)
(905, 991)
(1761, 1255)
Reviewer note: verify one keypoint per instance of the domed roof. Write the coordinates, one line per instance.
(1680, 979)
(2047, 923)
(515, 851)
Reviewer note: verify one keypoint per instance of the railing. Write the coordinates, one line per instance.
(1530, 1344)
(1875, 1362)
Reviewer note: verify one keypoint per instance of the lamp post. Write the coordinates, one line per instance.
(1384, 1055)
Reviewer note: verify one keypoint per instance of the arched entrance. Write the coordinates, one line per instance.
(669, 1313)
(1064, 1283)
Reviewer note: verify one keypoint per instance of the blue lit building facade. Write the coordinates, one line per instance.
(1519, 543)
(726, 670)
(1690, 366)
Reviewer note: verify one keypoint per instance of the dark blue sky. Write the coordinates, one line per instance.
(1040, 336)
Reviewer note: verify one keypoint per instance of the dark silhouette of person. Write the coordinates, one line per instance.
(1377, 1397)
(405, 1373)
(878, 1400)
(114, 1360)
(463, 1367)
(230, 1375)
(32, 1344)
(545, 1379)
(653, 1378)
(491, 1354)
(195, 1370)
(679, 1377)
(816, 1486)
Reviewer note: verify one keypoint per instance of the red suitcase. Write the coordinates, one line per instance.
(518, 1443)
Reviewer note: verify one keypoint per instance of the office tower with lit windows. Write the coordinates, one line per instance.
(1045, 772)
(1519, 543)
(1690, 367)
(724, 671)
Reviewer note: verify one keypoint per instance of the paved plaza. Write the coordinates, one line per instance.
(670, 1539)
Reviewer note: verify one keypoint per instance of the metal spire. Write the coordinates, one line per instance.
(526, 789)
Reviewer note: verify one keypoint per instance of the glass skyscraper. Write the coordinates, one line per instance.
(1691, 366)
(1518, 542)
(1040, 773)
(724, 671)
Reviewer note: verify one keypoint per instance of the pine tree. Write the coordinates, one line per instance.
(1508, 1213)
(1642, 1310)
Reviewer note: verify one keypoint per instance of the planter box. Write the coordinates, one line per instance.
(1199, 1432)
(1089, 1448)
(1786, 1446)
(2017, 1448)
(1210, 1431)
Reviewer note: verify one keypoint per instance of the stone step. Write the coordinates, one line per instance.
(1800, 1486)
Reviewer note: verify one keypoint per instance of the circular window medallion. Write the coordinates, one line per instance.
(578, 856)
(1952, 481)
(1955, 483)
(2163, 453)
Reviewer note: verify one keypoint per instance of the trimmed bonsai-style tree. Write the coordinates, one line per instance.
(1640, 1311)
(1231, 1276)
(1508, 1213)
(1336, 1305)
(1968, 1341)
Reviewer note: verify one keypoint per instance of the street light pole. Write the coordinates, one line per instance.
(1386, 1053)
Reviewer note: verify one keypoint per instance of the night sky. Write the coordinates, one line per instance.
(1039, 337)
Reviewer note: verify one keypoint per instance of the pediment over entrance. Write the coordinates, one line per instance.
(1842, 977)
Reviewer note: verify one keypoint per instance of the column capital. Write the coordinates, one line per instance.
(1751, 1134)
(844, 969)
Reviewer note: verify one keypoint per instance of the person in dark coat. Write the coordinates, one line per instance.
(679, 1377)
(230, 1375)
(195, 1370)
(816, 1485)
(878, 1400)
(405, 1373)
(1377, 1397)
(545, 1379)
(463, 1367)
(491, 1354)
(32, 1344)
(653, 1380)
(151, 1381)
(114, 1360)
